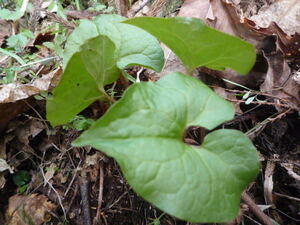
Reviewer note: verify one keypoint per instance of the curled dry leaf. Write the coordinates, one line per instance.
(268, 182)
(28, 130)
(15, 98)
(32, 209)
(286, 13)
(14, 91)
(279, 82)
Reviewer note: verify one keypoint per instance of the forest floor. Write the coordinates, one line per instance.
(59, 184)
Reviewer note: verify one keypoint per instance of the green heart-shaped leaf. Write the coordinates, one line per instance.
(95, 53)
(144, 133)
(134, 46)
(83, 80)
(199, 45)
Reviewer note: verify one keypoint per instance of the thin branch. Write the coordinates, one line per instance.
(100, 195)
(85, 200)
(256, 210)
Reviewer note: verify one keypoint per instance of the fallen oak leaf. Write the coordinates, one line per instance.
(25, 209)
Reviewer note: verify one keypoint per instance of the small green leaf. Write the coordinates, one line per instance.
(134, 46)
(144, 133)
(19, 40)
(250, 100)
(21, 178)
(81, 123)
(83, 80)
(199, 45)
(23, 188)
(14, 15)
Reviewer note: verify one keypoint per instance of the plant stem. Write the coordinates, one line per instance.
(77, 3)
(112, 100)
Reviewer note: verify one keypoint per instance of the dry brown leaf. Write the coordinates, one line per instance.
(30, 129)
(15, 91)
(6, 30)
(8, 111)
(50, 173)
(286, 13)
(15, 98)
(268, 182)
(4, 166)
(279, 81)
(290, 169)
(2, 180)
(195, 8)
(26, 210)
(172, 63)
(92, 164)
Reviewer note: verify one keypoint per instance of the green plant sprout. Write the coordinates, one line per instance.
(144, 130)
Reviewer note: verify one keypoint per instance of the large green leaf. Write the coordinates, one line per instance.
(134, 46)
(144, 133)
(95, 53)
(82, 82)
(199, 45)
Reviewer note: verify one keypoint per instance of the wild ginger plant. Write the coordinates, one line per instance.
(143, 131)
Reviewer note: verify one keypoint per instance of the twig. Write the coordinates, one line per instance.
(256, 210)
(73, 198)
(81, 14)
(100, 195)
(288, 197)
(264, 103)
(58, 196)
(59, 20)
(141, 7)
(262, 124)
(84, 191)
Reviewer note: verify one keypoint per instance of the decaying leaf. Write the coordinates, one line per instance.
(28, 130)
(50, 171)
(4, 166)
(286, 13)
(14, 91)
(268, 182)
(27, 210)
(6, 30)
(279, 81)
